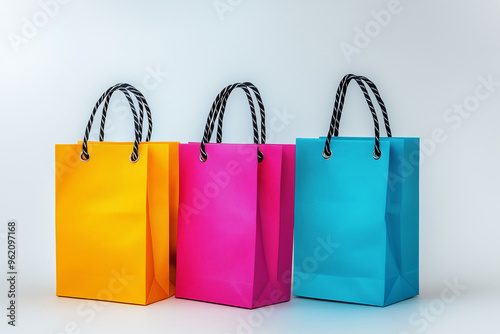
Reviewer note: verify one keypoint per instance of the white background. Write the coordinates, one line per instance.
(426, 59)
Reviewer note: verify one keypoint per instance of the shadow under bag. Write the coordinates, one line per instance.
(116, 214)
(235, 228)
(357, 213)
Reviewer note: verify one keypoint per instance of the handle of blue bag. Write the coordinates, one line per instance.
(134, 157)
(338, 107)
(340, 98)
(141, 100)
(217, 113)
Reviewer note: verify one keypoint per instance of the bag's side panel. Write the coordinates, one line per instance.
(393, 221)
(287, 221)
(340, 234)
(268, 225)
(411, 205)
(217, 223)
(408, 284)
(174, 208)
(101, 223)
(158, 279)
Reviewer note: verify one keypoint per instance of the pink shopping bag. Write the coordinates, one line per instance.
(235, 227)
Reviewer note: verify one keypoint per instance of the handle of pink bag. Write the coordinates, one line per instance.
(217, 112)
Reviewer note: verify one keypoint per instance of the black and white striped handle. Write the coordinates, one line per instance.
(258, 97)
(141, 100)
(84, 155)
(339, 105)
(217, 113)
(340, 98)
(216, 108)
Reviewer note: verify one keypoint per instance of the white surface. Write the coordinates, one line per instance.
(428, 58)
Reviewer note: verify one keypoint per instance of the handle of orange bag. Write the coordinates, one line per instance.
(134, 156)
(141, 100)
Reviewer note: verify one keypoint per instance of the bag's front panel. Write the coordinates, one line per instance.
(217, 223)
(101, 223)
(340, 230)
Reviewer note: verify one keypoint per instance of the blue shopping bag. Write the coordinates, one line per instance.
(357, 213)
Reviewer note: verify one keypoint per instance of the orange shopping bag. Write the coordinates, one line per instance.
(116, 214)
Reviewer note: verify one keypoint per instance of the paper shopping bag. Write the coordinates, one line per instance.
(116, 214)
(235, 229)
(356, 213)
